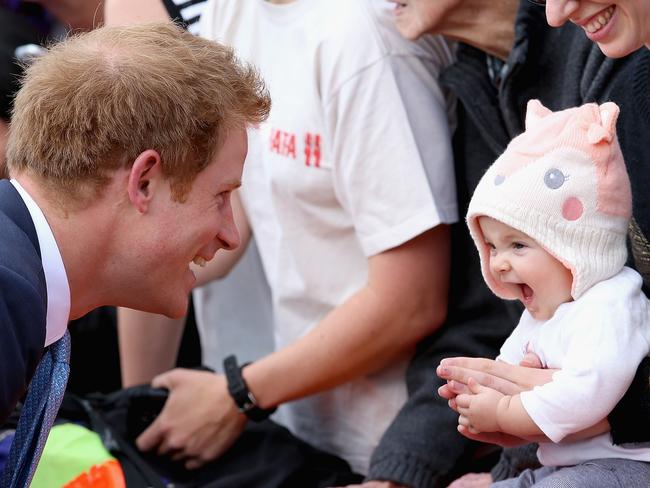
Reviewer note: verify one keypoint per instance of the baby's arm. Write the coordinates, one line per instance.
(487, 410)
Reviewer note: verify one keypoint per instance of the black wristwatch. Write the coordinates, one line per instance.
(240, 393)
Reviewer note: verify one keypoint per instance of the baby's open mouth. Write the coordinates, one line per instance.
(526, 292)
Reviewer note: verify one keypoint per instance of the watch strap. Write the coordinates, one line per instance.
(238, 389)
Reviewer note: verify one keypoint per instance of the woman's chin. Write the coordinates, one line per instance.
(616, 50)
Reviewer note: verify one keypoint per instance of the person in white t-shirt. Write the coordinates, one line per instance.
(550, 219)
(348, 190)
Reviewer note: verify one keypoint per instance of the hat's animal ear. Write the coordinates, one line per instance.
(605, 130)
(535, 111)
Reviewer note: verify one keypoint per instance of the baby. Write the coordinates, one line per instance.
(549, 219)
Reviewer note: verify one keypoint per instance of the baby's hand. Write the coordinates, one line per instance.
(478, 408)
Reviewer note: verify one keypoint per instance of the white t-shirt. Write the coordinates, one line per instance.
(597, 342)
(355, 159)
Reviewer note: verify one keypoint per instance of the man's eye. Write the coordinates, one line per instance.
(222, 197)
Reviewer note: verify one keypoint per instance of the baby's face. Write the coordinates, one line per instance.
(517, 261)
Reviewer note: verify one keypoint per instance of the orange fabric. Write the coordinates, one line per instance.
(105, 475)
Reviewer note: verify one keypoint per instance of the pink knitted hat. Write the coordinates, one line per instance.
(562, 182)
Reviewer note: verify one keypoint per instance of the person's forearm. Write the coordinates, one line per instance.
(596, 429)
(148, 345)
(405, 300)
(513, 419)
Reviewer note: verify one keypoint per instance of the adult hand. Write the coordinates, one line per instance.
(498, 438)
(473, 480)
(376, 484)
(199, 422)
(497, 375)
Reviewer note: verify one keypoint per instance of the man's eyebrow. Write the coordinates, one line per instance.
(231, 184)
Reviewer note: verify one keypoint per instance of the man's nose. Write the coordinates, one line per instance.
(228, 235)
(559, 11)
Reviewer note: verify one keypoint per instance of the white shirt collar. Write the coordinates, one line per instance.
(56, 279)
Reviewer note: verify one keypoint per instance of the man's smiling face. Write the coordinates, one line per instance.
(195, 229)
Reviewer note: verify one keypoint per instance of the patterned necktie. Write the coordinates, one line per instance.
(39, 411)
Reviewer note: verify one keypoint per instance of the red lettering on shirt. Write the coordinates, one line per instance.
(284, 143)
(275, 141)
(307, 148)
(317, 150)
(312, 148)
(289, 146)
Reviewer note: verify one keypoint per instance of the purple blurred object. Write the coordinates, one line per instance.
(6, 438)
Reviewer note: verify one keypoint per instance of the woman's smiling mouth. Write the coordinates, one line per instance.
(598, 21)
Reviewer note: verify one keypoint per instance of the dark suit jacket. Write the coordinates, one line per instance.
(23, 299)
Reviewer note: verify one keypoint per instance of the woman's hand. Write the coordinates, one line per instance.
(497, 375)
(498, 438)
(506, 379)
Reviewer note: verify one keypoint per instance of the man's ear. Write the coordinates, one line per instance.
(145, 174)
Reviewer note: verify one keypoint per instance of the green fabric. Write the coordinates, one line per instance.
(70, 450)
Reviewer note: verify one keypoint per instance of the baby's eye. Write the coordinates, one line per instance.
(518, 245)
(554, 178)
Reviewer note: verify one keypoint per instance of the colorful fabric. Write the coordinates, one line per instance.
(74, 457)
